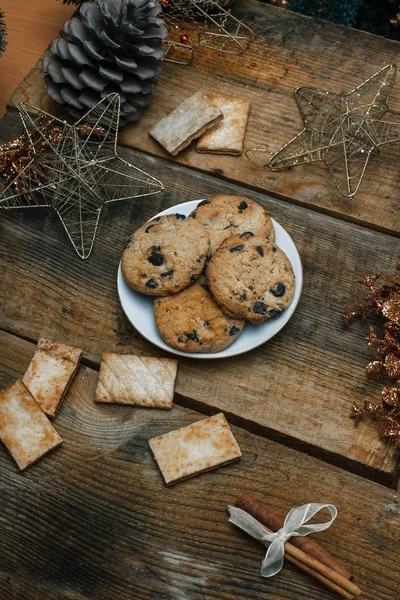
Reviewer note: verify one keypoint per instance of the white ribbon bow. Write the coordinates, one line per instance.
(293, 526)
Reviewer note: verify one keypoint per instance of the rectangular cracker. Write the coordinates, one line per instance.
(199, 447)
(50, 373)
(24, 428)
(228, 137)
(186, 122)
(137, 380)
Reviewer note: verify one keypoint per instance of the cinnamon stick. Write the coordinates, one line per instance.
(330, 578)
(265, 516)
(326, 582)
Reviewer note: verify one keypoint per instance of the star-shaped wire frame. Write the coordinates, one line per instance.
(343, 130)
(76, 174)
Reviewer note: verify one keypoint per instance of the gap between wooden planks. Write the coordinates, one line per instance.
(93, 519)
(290, 51)
(299, 387)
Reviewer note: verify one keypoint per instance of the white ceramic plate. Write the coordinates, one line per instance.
(139, 307)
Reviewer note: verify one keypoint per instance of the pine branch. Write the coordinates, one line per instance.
(342, 12)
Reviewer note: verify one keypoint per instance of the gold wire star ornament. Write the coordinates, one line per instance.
(193, 24)
(342, 130)
(75, 169)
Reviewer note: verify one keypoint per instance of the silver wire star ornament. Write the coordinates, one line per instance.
(342, 130)
(78, 171)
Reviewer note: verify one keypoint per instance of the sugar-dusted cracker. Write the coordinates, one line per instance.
(50, 373)
(186, 122)
(228, 137)
(138, 380)
(199, 447)
(24, 428)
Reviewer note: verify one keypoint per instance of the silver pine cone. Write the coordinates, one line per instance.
(113, 46)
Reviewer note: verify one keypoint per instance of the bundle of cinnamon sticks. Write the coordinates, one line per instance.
(304, 552)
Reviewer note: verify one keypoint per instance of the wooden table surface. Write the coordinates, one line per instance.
(94, 520)
(30, 28)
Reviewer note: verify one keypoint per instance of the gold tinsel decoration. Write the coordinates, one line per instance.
(383, 300)
(17, 154)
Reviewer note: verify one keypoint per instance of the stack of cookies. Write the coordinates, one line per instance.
(210, 272)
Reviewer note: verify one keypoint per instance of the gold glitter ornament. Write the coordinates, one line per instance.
(74, 169)
(391, 308)
(388, 427)
(360, 310)
(392, 366)
(374, 369)
(372, 339)
(383, 301)
(356, 413)
(368, 409)
(390, 398)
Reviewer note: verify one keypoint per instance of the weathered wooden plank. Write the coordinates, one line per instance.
(290, 51)
(300, 385)
(94, 519)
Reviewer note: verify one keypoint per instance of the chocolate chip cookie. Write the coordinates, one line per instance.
(226, 215)
(251, 278)
(192, 321)
(165, 255)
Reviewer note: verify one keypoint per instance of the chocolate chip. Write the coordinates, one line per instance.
(242, 297)
(193, 278)
(168, 273)
(236, 248)
(278, 290)
(181, 217)
(260, 250)
(260, 308)
(156, 259)
(151, 283)
(206, 323)
(155, 249)
(242, 205)
(192, 335)
(273, 249)
(274, 313)
(204, 285)
(234, 330)
(247, 234)
(203, 203)
(149, 227)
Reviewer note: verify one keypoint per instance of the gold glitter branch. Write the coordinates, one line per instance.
(383, 300)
